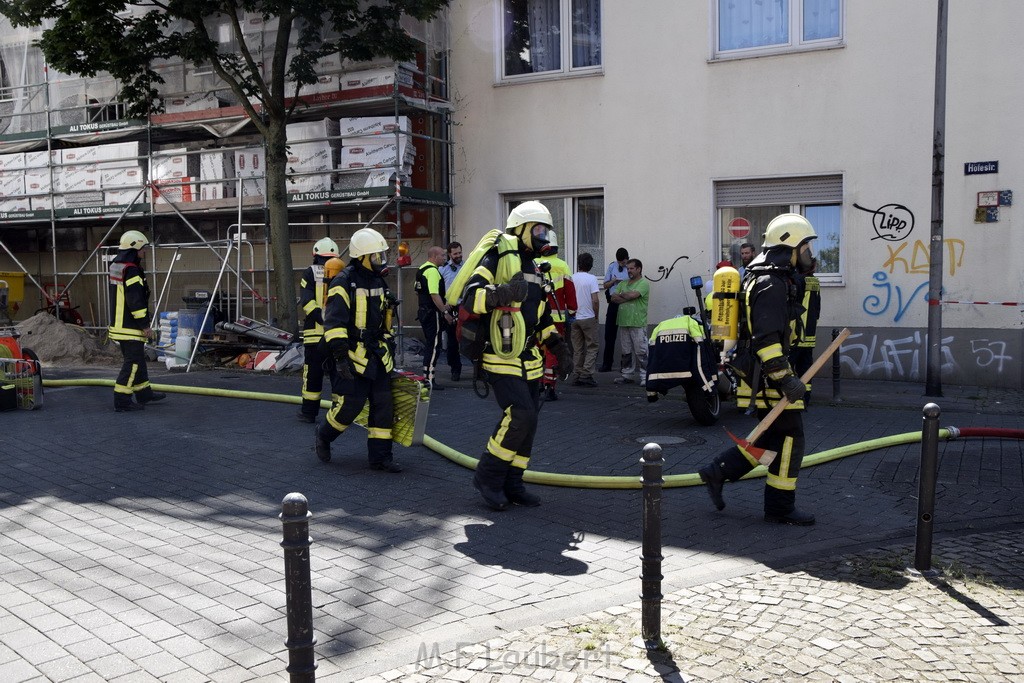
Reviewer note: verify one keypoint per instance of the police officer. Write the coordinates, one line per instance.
(130, 323)
(507, 292)
(769, 306)
(311, 300)
(433, 313)
(357, 329)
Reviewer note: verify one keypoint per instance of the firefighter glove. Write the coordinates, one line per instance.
(341, 362)
(563, 360)
(782, 379)
(507, 294)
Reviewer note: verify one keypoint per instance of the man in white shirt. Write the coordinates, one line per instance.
(584, 329)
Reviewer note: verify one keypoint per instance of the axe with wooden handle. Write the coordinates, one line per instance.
(763, 455)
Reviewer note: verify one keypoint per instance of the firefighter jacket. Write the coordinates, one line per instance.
(514, 335)
(678, 355)
(129, 294)
(769, 305)
(311, 301)
(562, 301)
(357, 318)
(428, 281)
(807, 323)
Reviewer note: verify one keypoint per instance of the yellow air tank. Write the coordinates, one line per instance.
(725, 308)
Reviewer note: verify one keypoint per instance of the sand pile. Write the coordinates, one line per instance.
(60, 344)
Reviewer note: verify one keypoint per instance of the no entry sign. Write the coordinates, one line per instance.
(739, 227)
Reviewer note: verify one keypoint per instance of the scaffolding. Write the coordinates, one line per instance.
(176, 174)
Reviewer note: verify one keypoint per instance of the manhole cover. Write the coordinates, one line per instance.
(664, 440)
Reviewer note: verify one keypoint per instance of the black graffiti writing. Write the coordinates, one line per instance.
(665, 272)
(892, 222)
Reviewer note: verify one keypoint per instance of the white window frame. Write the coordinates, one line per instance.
(567, 202)
(796, 31)
(566, 70)
(794, 205)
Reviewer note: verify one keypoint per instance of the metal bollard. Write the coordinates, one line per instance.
(295, 516)
(835, 371)
(926, 491)
(650, 577)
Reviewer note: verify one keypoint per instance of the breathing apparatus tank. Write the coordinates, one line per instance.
(725, 308)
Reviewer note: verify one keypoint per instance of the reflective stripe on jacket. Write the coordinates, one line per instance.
(129, 296)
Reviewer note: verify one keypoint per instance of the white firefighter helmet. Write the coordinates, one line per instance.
(367, 241)
(133, 239)
(528, 212)
(325, 246)
(789, 230)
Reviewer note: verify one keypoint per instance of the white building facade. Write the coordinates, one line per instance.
(678, 129)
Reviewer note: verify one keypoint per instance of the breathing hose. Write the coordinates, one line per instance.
(583, 481)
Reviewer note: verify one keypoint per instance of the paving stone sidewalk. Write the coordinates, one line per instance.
(857, 618)
(145, 546)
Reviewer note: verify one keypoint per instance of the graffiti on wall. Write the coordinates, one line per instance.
(903, 358)
(665, 272)
(917, 259)
(890, 297)
(892, 222)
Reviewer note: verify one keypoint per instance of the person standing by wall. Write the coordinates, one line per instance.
(433, 314)
(806, 326)
(614, 274)
(311, 301)
(130, 323)
(561, 303)
(448, 272)
(769, 305)
(633, 297)
(584, 330)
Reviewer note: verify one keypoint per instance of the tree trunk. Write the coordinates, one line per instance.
(277, 202)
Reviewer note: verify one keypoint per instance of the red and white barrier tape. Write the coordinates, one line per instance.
(983, 303)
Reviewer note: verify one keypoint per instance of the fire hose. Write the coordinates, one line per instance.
(586, 481)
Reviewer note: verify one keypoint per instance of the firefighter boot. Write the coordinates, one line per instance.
(516, 492)
(780, 508)
(309, 411)
(489, 480)
(147, 395)
(123, 404)
(727, 466)
(321, 446)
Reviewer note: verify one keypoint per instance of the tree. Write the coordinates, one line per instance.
(126, 37)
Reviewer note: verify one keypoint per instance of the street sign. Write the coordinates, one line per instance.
(739, 227)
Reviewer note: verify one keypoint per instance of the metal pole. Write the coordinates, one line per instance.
(933, 375)
(650, 577)
(295, 516)
(926, 492)
(836, 398)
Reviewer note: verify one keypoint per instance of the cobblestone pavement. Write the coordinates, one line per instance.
(861, 617)
(145, 546)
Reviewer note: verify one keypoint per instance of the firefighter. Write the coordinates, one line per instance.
(561, 303)
(506, 291)
(433, 314)
(769, 305)
(806, 330)
(130, 323)
(311, 301)
(357, 330)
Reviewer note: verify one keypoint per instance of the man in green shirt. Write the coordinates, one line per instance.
(633, 296)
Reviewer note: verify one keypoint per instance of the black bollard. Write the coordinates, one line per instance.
(295, 516)
(650, 577)
(835, 370)
(926, 491)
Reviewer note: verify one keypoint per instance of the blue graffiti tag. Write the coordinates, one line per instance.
(875, 305)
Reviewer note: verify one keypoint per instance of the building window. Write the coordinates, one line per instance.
(748, 28)
(579, 223)
(535, 42)
(745, 207)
